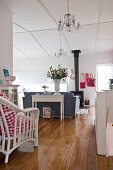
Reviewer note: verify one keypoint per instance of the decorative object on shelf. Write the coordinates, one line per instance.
(91, 82)
(44, 86)
(7, 78)
(57, 74)
(61, 52)
(1, 81)
(69, 22)
(6, 72)
(82, 81)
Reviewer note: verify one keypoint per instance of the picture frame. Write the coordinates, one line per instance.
(6, 72)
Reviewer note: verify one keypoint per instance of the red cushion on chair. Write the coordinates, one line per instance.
(26, 118)
(3, 95)
(10, 119)
(9, 115)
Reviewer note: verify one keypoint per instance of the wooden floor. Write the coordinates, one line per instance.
(69, 145)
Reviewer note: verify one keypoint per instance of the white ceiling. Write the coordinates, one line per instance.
(35, 26)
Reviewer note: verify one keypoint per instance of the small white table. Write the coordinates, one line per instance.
(50, 98)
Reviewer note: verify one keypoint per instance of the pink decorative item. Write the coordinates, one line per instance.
(82, 81)
(71, 76)
(46, 112)
(87, 77)
(91, 82)
(44, 86)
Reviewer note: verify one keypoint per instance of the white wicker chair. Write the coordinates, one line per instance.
(16, 126)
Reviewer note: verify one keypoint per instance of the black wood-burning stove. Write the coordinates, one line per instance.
(76, 68)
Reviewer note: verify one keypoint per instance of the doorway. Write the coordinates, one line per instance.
(104, 72)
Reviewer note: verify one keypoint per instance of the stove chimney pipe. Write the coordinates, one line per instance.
(76, 68)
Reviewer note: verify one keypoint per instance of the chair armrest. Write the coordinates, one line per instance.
(9, 104)
(35, 111)
(16, 108)
(30, 109)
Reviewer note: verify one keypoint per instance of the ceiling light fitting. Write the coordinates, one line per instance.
(61, 52)
(69, 22)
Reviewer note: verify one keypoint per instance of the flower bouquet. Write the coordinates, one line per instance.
(57, 73)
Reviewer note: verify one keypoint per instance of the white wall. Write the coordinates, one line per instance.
(87, 64)
(6, 39)
(33, 71)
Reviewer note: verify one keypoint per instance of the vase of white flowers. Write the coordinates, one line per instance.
(57, 74)
(57, 86)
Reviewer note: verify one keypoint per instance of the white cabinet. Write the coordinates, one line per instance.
(103, 122)
(11, 91)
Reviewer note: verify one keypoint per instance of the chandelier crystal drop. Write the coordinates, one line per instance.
(69, 23)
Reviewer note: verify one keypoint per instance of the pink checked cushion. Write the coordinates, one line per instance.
(10, 119)
(3, 95)
(9, 115)
(23, 118)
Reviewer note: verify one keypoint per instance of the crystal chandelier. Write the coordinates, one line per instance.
(61, 52)
(69, 22)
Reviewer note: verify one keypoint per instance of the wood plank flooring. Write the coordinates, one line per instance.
(67, 145)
